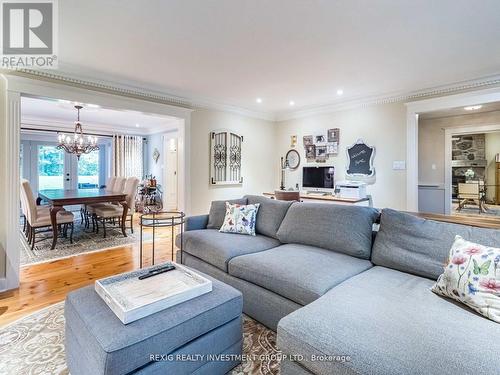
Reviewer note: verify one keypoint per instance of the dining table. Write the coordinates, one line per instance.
(58, 198)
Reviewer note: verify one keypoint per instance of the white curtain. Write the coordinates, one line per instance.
(128, 156)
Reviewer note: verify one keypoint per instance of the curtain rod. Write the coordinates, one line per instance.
(63, 131)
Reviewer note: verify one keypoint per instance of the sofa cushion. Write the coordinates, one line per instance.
(342, 228)
(270, 215)
(419, 246)
(218, 212)
(389, 322)
(218, 248)
(297, 272)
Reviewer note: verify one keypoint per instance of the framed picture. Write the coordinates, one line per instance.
(320, 138)
(321, 153)
(332, 148)
(310, 152)
(334, 135)
(308, 140)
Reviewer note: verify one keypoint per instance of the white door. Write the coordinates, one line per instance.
(170, 193)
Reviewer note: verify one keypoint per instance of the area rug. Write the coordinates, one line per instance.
(84, 241)
(35, 345)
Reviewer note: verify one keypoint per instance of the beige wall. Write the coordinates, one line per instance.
(258, 156)
(431, 145)
(382, 126)
(3, 175)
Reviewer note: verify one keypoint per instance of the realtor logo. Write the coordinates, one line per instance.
(29, 34)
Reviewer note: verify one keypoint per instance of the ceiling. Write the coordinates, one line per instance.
(58, 114)
(232, 52)
(460, 111)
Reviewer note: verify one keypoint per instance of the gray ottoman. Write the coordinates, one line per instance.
(180, 340)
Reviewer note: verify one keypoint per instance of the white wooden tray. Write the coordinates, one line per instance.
(132, 299)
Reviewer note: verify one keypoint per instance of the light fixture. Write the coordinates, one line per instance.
(473, 107)
(292, 103)
(340, 92)
(77, 144)
(258, 100)
(93, 106)
(137, 125)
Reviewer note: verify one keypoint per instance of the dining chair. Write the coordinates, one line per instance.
(111, 184)
(38, 217)
(470, 192)
(42, 210)
(112, 212)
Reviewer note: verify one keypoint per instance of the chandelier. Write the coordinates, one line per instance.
(77, 144)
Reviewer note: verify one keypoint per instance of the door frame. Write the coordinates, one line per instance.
(17, 86)
(448, 134)
(412, 111)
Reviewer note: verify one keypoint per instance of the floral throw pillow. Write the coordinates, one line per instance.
(472, 277)
(240, 218)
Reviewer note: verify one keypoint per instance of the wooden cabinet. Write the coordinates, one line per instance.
(497, 183)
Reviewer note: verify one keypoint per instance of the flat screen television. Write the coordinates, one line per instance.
(318, 177)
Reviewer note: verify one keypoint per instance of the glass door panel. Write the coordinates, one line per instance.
(50, 167)
(88, 170)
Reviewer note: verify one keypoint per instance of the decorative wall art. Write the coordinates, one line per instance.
(308, 140)
(320, 138)
(156, 155)
(310, 153)
(324, 146)
(321, 154)
(225, 158)
(360, 158)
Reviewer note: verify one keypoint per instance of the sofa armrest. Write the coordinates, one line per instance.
(196, 222)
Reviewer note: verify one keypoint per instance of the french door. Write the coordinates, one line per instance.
(47, 167)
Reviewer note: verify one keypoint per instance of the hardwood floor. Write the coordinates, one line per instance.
(42, 285)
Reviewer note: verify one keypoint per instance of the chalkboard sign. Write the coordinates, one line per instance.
(360, 160)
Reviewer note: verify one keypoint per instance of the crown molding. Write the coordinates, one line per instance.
(204, 103)
(141, 93)
(443, 90)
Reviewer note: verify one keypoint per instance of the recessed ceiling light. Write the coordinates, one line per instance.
(340, 92)
(258, 100)
(473, 107)
(292, 103)
(137, 125)
(93, 106)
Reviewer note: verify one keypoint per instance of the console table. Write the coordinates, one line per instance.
(329, 198)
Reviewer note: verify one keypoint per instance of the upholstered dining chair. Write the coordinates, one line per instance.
(112, 212)
(40, 217)
(42, 210)
(112, 184)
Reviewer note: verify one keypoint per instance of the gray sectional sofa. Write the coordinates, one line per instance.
(343, 298)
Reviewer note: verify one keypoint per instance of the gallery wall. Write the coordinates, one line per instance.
(382, 126)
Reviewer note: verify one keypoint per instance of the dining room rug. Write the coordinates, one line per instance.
(35, 345)
(84, 241)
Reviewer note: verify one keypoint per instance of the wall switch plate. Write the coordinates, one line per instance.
(399, 165)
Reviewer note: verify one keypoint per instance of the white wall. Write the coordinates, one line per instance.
(382, 126)
(3, 175)
(258, 157)
(431, 138)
